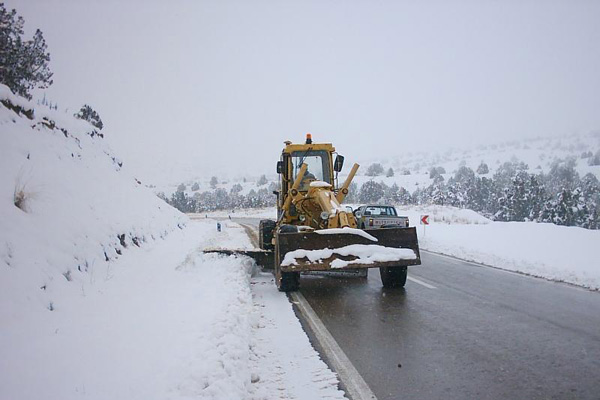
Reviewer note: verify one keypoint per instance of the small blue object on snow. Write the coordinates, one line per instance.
(218, 227)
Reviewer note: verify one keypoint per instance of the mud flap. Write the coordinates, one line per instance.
(396, 238)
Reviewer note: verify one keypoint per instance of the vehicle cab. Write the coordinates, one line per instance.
(379, 216)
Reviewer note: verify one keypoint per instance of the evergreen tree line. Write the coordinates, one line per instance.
(221, 199)
(512, 193)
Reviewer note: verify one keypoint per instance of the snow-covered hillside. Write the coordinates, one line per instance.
(412, 166)
(105, 292)
(67, 207)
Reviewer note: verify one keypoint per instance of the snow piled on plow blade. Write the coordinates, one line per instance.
(364, 254)
(315, 251)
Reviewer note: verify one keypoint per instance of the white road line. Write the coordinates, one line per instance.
(420, 282)
(355, 385)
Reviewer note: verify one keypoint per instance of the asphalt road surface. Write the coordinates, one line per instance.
(463, 331)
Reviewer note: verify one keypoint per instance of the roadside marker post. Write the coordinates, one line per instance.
(424, 222)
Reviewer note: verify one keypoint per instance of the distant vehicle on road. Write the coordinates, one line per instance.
(379, 216)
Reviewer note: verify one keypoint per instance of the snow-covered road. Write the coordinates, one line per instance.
(166, 321)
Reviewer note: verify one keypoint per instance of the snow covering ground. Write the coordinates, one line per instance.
(106, 294)
(166, 322)
(77, 207)
(567, 254)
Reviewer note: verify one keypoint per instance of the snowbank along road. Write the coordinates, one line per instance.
(461, 330)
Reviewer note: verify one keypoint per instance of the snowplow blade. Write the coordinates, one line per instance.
(264, 258)
(312, 251)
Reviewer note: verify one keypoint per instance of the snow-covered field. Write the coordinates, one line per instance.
(567, 254)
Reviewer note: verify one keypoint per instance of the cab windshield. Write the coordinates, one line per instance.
(381, 210)
(318, 166)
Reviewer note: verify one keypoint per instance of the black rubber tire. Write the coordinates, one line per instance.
(288, 229)
(266, 227)
(393, 277)
(286, 281)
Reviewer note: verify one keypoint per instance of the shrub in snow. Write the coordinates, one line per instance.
(23, 63)
(90, 115)
(182, 187)
(20, 198)
(213, 182)
(390, 172)
(195, 187)
(436, 171)
(375, 169)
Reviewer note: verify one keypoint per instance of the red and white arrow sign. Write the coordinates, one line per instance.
(424, 219)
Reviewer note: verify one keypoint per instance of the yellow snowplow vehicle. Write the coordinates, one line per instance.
(313, 232)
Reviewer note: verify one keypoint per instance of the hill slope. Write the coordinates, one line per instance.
(66, 206)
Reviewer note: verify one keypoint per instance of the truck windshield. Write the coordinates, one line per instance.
(318, 166)
(382, 210)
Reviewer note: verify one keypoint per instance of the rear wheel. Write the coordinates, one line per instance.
(393, 277)
(265, 234)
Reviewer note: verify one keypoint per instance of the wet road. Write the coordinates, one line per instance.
(472, 333)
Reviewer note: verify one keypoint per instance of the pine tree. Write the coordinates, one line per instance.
(213, 182)
(23, 63)
(591, 197)
(403, 197)
(371, 192)
(483, 169)
(390, 172)
(595, 159)
(262, 180)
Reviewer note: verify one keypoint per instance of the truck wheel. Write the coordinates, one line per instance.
(287, 281)
(393, 277)
(265, 234)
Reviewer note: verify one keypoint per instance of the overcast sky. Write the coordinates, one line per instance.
(213, 86)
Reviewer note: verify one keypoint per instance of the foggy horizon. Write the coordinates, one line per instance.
(199, 86)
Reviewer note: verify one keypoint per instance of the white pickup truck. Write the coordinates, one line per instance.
(379, 216)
